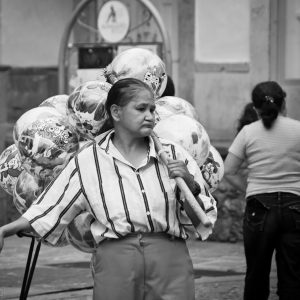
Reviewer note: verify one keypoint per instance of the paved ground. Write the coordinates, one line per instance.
(64, 273)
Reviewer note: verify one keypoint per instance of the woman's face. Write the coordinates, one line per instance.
(137, 117)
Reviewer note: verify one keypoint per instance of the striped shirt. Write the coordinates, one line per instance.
(122, 199)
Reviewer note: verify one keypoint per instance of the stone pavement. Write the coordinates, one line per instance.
(64, 273)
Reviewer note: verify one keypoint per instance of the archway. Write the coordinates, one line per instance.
(142, 14)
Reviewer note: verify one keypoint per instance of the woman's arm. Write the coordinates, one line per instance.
(232, 165)
(12, 228)
(178, 168)
(192, 176)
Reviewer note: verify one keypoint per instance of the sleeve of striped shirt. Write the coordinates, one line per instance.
(188, 218)
(58, 205)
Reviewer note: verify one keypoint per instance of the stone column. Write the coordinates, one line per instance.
(186, 45)
(4, 100)
(259, 41)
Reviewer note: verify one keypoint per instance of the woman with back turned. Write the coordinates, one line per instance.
(271, 149)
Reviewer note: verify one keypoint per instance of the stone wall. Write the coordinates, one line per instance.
(231, 205)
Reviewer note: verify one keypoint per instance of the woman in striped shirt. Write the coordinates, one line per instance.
(140, 225)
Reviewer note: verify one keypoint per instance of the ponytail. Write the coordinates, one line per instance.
(268, 97)
(269, 112)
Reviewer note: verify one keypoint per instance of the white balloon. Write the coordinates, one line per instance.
(30, 116)
(10, 168)
(141, 64)
(171, 105)
(213, 169)
(86, 108)
(59, 102)
(79, 233)
(188, 133)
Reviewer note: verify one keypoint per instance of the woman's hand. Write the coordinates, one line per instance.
(12, 228)
(177, 168)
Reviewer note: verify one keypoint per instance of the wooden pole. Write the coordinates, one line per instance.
(189, 197)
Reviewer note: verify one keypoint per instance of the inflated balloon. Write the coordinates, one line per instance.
(46, 146)
(188, 133)
(30, 116)
(213, 169)
(62, 241)
(171, 105)
(10, 168)
(79, 233)
(26, 191)
(86, 108)
(141, 64)
(59, 102)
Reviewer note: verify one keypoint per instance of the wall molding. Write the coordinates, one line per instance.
(239, 67)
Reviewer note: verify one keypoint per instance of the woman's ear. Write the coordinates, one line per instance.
(115, 112)
(283, 108)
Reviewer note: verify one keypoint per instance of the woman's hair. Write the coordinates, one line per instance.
(170, 88)
(121, 94)
(248, 116)
(268, 97)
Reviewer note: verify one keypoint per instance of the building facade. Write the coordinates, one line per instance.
(219, 50)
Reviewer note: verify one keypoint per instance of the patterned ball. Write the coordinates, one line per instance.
(171, 105)
(26, 191)
(62, 241)
(46, 146)
(59, 102)
(141, 64)
(188, 133)
(79, 233)
(213, 169)
(86, 108)
(10, 168)
(30, 116)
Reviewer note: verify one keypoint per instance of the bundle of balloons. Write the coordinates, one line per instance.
(48, 136)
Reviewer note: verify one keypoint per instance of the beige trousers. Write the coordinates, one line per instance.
(143, 267)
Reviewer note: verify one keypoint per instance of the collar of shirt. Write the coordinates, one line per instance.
(105, 143)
